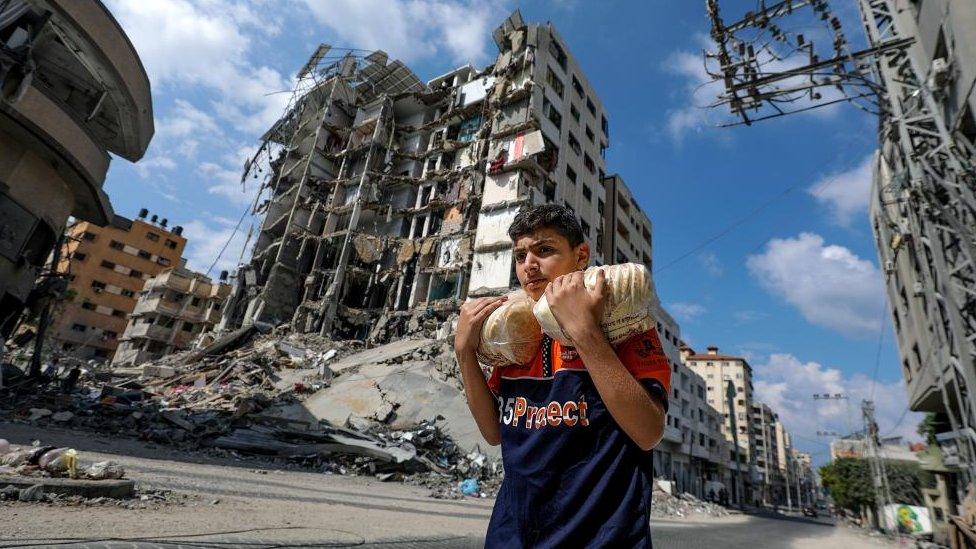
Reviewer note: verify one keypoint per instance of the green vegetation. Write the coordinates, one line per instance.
(850, 485)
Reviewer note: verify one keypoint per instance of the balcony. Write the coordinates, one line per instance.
(172, 280)
(672, 434)
(149, 331)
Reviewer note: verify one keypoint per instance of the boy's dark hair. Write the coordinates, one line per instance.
(552, 216)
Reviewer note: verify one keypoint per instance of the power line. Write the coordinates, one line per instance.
(231, 237)
(728, 229)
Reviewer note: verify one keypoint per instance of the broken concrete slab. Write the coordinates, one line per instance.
(403, 395)
(379, 354)
(117, 489)
(158, 370)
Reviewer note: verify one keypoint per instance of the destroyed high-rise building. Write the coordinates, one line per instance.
(390, 198)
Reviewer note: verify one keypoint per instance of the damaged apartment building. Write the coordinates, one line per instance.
(388, 199)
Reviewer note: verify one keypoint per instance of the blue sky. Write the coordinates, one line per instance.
(761, 238)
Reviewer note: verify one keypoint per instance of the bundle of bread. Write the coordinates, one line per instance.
(511, 334)
(627, 310)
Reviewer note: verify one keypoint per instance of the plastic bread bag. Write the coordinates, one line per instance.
(627, 310)
(511, 333)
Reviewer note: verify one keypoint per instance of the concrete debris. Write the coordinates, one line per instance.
(105, 470)
(34, 493)
(38, 413)
(664, 504)
(394, 411)
(62, 417)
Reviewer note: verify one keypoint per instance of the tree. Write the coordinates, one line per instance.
(851, 486)
(849, 483)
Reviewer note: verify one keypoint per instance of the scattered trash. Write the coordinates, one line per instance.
(469, 487)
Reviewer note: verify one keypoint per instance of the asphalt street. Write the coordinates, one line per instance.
(225, 502)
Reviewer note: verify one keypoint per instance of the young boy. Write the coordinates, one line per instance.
(577, 424)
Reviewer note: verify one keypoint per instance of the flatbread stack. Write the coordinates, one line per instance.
(627, 310)
(511, 334)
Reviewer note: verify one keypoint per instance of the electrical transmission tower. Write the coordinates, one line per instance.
(768, 69)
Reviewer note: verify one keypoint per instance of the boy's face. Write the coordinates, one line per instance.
(544, 255)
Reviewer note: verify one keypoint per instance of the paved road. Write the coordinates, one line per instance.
(257, 506)
(753, 532)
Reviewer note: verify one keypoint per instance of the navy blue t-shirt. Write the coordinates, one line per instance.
(573, 478)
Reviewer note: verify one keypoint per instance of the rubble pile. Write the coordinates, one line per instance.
(394, 411)
(664, 504)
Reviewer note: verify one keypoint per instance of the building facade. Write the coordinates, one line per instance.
(626, 236)
(173, 309)
(766, 430)
(390, 198)
(717, 370)
(693, 453)
(72, 89)
(928, 282)
(106, 268)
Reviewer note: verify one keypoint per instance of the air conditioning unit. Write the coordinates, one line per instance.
(889, 267)
(917, 289)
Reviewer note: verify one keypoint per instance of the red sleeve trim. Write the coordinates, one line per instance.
(644, 358)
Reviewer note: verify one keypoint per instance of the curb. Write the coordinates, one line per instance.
(117, 489)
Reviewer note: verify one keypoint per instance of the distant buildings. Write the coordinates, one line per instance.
(106, 268)
(626, 232)
(693, 452)
(72, 90)
(173, 309)
(718, 370)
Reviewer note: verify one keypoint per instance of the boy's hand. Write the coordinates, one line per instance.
(473, 316)
(577, 309)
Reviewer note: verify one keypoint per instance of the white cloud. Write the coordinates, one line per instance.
(185, 120)
(205, 239)
(146, 166)
(787, 385)
(710, 262)
(699, 91)
(208, 43)
(830, 285)
(686, 312)
(846, 193)
(412, 29)
(745, 316)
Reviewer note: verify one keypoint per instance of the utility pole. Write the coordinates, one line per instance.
(730, 406)
(925, 172)
(879, 476)
(796, 476)
(789, 500)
